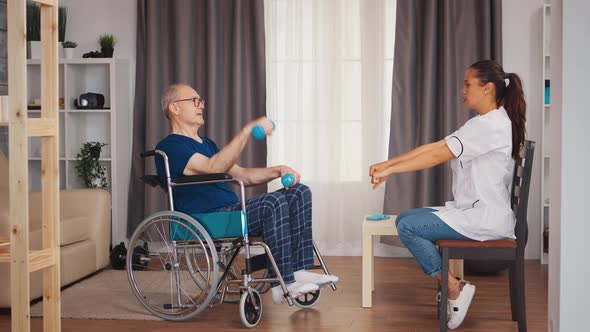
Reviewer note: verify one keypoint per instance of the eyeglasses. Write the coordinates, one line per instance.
(196, 100)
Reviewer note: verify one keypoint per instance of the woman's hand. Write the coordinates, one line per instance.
(378, 167)
(379, 177)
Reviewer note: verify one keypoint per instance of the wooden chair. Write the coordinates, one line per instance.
(505, 250)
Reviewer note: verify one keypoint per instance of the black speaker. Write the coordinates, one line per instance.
(89, 100)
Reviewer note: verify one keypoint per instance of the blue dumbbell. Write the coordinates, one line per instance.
(258, 132)
(287, 180)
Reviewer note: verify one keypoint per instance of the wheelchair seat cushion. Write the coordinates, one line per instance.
(217, 224)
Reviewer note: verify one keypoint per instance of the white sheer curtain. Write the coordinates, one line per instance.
(329, 67)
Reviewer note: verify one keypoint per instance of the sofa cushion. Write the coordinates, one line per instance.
(71, 230)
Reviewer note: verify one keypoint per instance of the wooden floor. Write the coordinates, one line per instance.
(404, 300)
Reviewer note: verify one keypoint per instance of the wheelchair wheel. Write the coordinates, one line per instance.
(178, 253)
(250, 308)
(307, 300)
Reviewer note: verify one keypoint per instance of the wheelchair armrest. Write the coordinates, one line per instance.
(196, 179)
(154, 181)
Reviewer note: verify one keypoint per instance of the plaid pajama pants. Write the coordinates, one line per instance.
(283, 218)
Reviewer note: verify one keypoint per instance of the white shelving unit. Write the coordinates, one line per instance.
(110, 125)
(546, 139)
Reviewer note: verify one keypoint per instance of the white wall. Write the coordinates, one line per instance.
(568, 285)
(522, 33)
(87, 19)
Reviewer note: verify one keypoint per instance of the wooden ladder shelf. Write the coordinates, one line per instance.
(22, 260)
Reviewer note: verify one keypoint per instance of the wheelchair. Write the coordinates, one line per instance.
(184, 263)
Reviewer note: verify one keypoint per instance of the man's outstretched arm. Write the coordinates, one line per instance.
(225, 159)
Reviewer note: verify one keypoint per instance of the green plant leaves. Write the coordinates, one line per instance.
(89, 168)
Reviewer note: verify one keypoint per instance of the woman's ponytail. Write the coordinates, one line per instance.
(515, 106)
(508, 94)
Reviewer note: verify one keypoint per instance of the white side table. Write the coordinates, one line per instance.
(384, 227)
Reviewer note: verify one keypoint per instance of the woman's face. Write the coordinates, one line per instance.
(474, 93)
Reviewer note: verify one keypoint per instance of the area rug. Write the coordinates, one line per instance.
(106, 295)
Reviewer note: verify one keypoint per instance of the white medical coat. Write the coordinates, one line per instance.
(482, 176)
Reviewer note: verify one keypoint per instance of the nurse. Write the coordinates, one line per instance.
(482, 154)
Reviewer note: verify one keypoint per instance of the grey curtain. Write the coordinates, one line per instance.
(3, 50)
(216, 46)
(435, 42)
(3, 70)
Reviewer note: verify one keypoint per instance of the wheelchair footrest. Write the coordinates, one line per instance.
(256, 263)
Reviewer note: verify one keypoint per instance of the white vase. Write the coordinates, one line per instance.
(35, 49)
(68, 53)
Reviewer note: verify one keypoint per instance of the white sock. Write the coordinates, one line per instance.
(296, 288)
(316, 278)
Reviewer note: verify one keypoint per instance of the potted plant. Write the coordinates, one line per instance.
(107, 44)
(68, 47)
(34, 28)
(89, 169)
(62, 19)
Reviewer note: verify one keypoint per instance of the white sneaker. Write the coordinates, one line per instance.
(460, 306)
(315, 278)
(296, 289)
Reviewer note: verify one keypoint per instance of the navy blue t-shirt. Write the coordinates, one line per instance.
(192, 199)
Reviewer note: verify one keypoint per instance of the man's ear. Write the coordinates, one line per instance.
(173, 109)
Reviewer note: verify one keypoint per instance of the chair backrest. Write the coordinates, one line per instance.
(519, 197)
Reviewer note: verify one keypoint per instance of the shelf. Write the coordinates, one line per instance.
(110, 125)
(547, 105)
(547, 156)
(3, 124)
(105, 110)
(546, 204)
(39, 111)
(78, 61)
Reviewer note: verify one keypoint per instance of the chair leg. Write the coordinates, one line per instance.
(520, 293)
(439, 302)
(513, 288)
(444, 294)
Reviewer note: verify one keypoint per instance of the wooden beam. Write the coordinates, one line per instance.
(18, 170)
(40, 259)
(42, 127)
(51, 3)
(50, 167)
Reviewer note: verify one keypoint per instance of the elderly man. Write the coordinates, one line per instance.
(282, 217)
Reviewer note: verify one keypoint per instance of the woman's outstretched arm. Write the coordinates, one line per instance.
(418, 159)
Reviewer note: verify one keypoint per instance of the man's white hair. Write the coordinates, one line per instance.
(170, 95)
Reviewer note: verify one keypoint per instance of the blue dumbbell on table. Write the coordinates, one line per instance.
(258, 132)
(287, 180)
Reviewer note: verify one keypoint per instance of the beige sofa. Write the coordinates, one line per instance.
(85, 231)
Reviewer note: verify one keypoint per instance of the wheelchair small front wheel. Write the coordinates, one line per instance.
(250, 308)
(307, 300)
